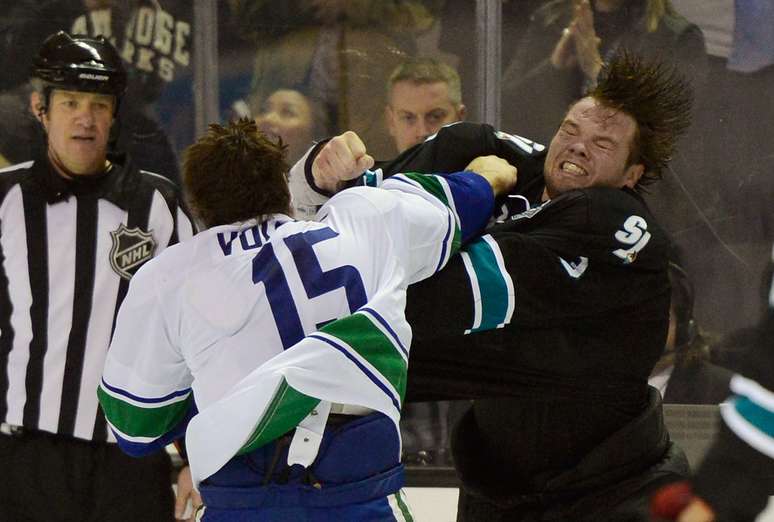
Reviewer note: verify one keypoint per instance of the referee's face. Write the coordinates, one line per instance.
(78, 127)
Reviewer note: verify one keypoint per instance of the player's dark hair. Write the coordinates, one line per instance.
(235, 173)
(657, 97)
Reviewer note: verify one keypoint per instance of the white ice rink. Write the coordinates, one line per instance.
(440, 505)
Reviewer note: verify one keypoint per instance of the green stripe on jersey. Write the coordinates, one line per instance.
(491, 283)
(285, 411)
(430, 184)
(404, 509)
(136, 421)
(289, 406)
(372, 345)
(434, 186)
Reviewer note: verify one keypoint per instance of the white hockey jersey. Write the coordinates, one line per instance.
(258, 322)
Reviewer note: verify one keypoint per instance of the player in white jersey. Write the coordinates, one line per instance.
(262, 324)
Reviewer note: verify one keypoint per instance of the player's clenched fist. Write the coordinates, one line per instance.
(498, 172)
(342, 158)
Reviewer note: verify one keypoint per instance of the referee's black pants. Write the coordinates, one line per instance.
(51, 478)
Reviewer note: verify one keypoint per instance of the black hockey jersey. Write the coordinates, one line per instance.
(553, 320)
(559, 311)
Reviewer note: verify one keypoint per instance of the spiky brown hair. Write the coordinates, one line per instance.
(657, 97)
(235, 173)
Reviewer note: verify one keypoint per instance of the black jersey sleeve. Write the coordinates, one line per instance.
(450, 150)
(569, 298)
(453, 147)
(575, 258)
(736, 476)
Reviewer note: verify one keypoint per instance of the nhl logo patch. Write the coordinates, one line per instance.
(131, 248)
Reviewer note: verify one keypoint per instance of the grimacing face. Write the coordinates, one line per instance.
(287, 114)
(417, 110)
(78, 127)
(591, 148)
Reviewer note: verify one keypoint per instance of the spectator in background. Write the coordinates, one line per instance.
(152, 36)
(727, 220)
(566, 43)
(296, 119)
(423, 95)
(339, 51)
(76, 223)
(684, 373)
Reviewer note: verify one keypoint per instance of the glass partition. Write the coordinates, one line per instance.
(155, 40)
(306, 70)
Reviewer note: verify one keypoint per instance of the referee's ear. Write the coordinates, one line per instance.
(37, 106)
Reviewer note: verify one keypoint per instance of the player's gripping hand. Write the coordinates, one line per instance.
(343, 158)
(500, 174)
(186, 494)
(677, 502)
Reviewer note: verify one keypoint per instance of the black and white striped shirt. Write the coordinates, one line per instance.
(67, 252)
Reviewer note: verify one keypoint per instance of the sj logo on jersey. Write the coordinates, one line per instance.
(635, 236)
(131, 248)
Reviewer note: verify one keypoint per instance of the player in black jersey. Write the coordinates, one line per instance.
(734, 481)
(566, 305)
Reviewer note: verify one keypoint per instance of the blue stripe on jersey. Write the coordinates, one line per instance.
(387, 327)
(473, 201)
(449, 230)
(146, 400)
(495, 295)
(362, 368)
(141, 449)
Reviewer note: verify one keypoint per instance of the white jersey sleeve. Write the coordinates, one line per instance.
(146, 385)
(305, 201)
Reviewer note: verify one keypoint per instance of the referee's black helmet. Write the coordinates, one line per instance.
(80, 63)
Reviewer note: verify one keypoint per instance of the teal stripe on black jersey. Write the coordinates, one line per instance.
(493, 288)
(85, 262)
(37, 254)
(750, 414)
(756, 415)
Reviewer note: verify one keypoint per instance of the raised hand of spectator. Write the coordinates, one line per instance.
(579, 43)
(563, 56)
(586, 40)
(343, 158)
